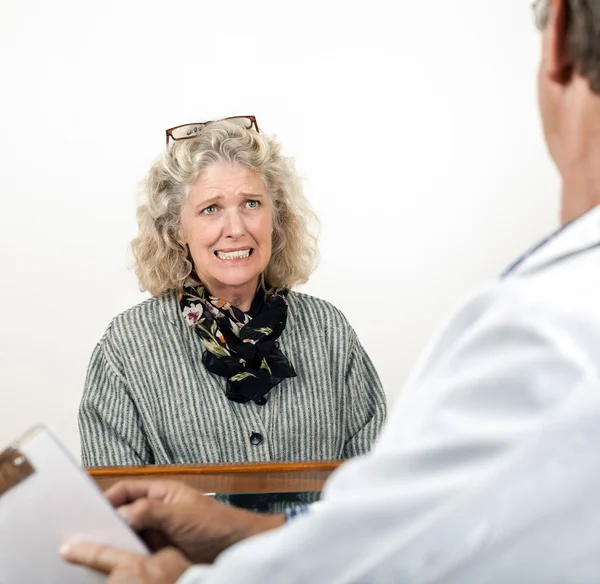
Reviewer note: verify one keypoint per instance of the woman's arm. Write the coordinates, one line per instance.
(110, 427)
(367, 402)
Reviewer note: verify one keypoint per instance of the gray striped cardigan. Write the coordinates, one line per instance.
(148, 399)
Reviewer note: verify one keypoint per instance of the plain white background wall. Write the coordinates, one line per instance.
(414, 125)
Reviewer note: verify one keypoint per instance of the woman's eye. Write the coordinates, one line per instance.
(252, 204)
(209, 210)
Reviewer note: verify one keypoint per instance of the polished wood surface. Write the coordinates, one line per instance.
(264, 477)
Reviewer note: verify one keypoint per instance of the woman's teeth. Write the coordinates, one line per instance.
(233, 255)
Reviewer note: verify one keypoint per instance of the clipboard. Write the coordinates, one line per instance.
(47, 499)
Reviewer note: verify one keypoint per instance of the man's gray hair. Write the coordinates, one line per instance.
(583, 41)
(583, 36)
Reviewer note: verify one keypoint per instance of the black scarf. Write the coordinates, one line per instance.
(241, 345)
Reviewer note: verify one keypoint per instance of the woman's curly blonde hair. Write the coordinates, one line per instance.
(162, 262)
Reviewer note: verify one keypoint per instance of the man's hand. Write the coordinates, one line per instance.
(169, 513)
(123, 567)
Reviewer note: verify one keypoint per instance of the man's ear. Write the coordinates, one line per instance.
(559, 66)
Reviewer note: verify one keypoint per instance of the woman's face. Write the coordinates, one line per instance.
(227, 222)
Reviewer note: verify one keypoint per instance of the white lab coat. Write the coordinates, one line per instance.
(488, 470)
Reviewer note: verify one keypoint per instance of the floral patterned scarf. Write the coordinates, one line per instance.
(241, 345)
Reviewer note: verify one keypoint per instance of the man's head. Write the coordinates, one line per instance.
(569, 77)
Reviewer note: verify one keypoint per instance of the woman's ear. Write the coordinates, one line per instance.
(181, 236)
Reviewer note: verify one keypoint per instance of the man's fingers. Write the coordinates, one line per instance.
(96, 556)
(128, 491)
(147, 514)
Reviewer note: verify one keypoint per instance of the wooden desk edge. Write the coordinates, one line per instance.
(215, 469)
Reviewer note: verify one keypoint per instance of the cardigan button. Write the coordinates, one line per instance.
(261, 401)
(256, 438)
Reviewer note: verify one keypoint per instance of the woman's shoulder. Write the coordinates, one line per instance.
(157, 311)
(316, 311)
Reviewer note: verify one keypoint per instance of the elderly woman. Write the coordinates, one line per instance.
(224, 363)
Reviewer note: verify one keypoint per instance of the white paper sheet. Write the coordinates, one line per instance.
(58, 503)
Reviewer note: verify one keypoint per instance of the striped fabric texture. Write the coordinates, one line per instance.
(148, 399)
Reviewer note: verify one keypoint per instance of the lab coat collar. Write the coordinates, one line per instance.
(573, 238)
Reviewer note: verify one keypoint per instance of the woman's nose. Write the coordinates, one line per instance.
(234, 227)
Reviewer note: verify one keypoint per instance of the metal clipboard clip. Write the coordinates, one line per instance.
(14, 469)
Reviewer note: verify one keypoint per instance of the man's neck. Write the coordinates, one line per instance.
(581, 189)
(580, 153)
